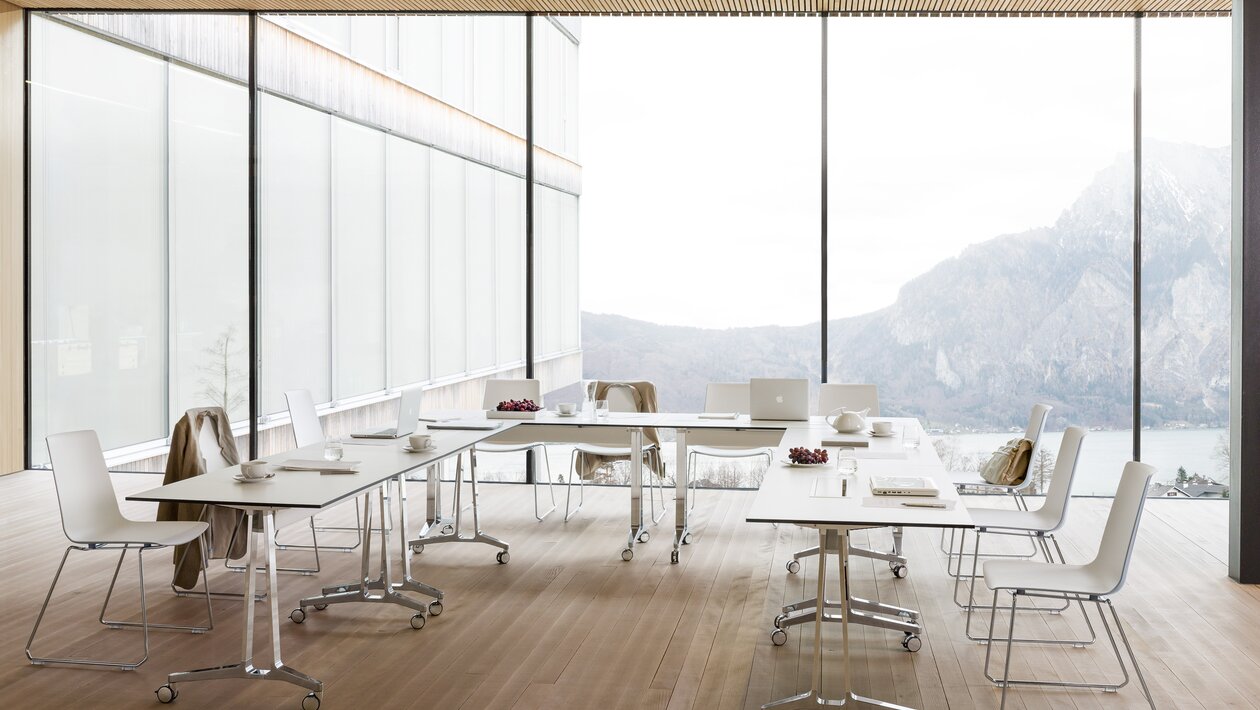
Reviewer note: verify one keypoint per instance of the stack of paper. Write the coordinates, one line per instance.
(320, 465)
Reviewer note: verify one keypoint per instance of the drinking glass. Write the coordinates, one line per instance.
(910, 436)
(333, 450)
(846, 462)
(601, 407)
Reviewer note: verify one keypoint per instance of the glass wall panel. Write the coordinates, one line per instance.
(209, 232)
(295, 209)
(479, 233)
(509, 252)
(981, 228)
(407, 226)
(699, 208)
(1186, 224)
(358, 209)
(447, 268)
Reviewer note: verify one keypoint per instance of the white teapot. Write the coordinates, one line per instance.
(848, 421)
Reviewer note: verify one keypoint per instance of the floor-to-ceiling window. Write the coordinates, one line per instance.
(1186, 252)
(139, 192)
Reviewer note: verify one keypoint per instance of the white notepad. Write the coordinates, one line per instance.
(720, 415)
(320, 465)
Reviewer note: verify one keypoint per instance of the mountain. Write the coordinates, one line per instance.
(1044, 315)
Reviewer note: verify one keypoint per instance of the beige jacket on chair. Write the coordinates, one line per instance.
(645, 402)
(185, 461)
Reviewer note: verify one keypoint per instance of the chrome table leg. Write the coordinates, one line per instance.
(682, 509)
(456, 535)
(638, 532)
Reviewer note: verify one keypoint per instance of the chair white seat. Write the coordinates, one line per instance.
(728, 452)
(1042, 577)
(145, 532)
(623, 451)
(506, 448)
(1039, 520)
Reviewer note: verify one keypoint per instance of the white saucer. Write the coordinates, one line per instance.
(805, 465)
(241, 478)
(871, 432)
(562, 414)
(408, 449)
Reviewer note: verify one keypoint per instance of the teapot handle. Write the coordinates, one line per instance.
(833, 415)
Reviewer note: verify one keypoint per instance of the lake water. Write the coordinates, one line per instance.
(1104, 453)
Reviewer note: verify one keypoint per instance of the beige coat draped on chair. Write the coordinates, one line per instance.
(185, 461)
(645, 402)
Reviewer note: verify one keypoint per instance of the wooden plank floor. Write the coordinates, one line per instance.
(568, 624)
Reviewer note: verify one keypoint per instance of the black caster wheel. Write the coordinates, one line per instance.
(645, 536)
(778, 637)
(793, 566)
(780, 620)
(435, 608)
(627, 554)
(310, 702)
(900, 571)
(448, 529)
(298, 615)
(166, 694)
(503, 557)
(686, 539)
(417, 621)
(320, 607)
(912, 643)
(673, 557)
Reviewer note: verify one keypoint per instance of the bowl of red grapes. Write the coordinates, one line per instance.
(518, 405)
(801, 456)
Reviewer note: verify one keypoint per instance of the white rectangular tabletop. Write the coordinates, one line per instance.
(787, 492)
(312, 489)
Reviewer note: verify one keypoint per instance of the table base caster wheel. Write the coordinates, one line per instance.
(166, 694)
(627, 554)
(644, 536)
(448, 529)
(417, 621)
(298, 615)
(793, 566)
(778, 637)
(320, 607)
(417, 549)
(310, 702)
(912, 643)
(686, 539)
(503, 557)
(780, 620)
(900, 571)
(435, 608)
(673, 557)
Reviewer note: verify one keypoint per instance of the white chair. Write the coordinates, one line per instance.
(620, 398)
(502, 390)
(1095, 582)
(91, 520)
(831, 398)
(723, 397)
(973, 481)
(1040, 525)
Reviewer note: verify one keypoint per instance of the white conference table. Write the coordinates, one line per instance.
(313, 490)
(801, 496)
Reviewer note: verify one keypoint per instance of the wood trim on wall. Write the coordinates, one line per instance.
(12, 231)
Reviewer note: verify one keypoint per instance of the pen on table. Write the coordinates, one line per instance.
(917, 504)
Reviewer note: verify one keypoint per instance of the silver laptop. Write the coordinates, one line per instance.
(408, 417)
(785, 400)
(903, 486)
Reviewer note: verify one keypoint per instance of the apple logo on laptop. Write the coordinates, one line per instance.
(779, 399)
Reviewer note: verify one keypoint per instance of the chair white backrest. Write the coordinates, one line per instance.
(208, 442)
(728, 397)
(1118, 538)
(303, 418)
(85, 495)
(501, 390)
(834, 396)
(620, 398)
(1037, 423)
(1060, 491)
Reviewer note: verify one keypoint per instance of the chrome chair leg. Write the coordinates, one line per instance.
(569, 486)
(550, 483)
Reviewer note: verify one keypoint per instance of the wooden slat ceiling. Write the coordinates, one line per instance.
(673, 7)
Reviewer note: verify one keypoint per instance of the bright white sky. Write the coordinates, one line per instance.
(699, 139)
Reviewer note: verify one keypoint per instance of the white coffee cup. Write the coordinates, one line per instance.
(566, 407)
(254, 469)
(881, 428)
(420, 442)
